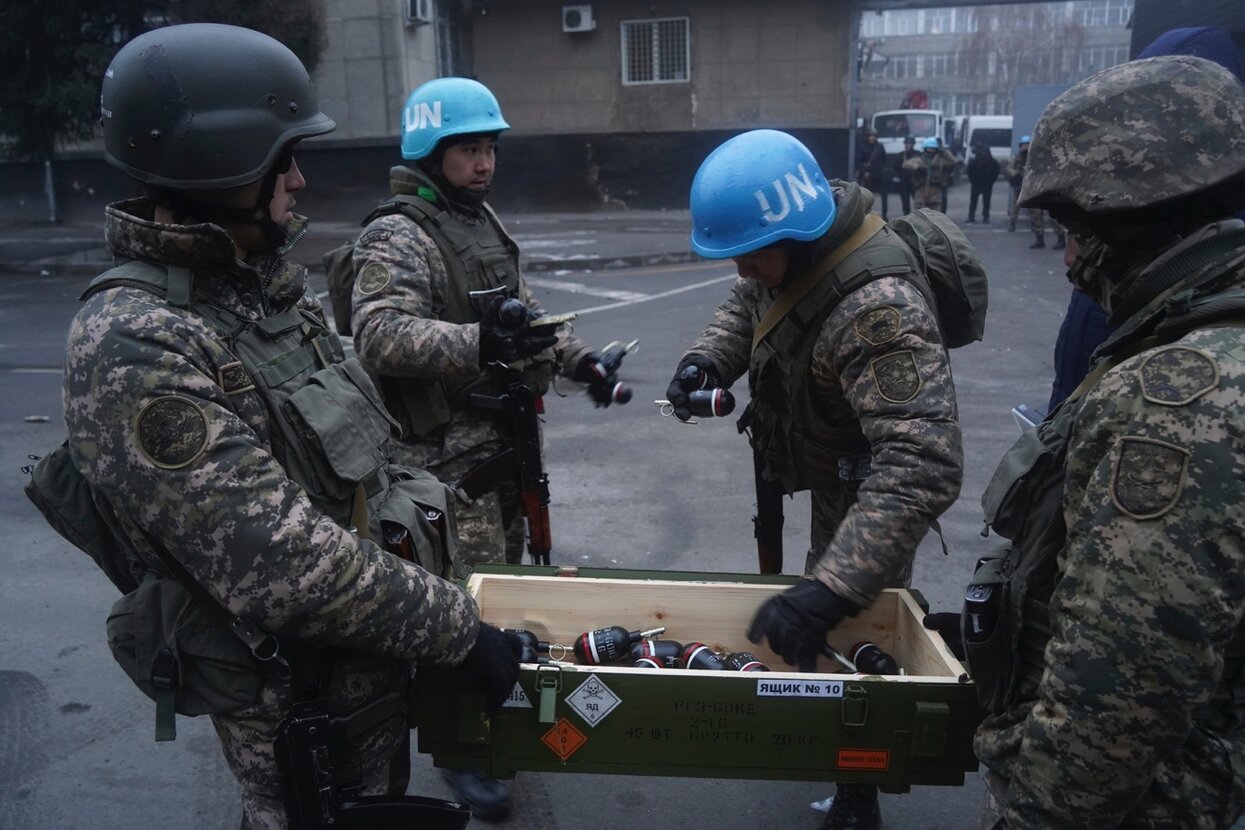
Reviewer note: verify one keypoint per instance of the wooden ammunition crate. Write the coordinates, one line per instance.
(894, 731)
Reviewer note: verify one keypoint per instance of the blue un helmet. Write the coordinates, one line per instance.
(1024, 139)
(756, 189)
(446, 107)
(929, 144)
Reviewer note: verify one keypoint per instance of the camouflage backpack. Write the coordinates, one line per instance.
(955, 273)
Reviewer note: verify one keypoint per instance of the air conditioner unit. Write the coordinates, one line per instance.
(577, 19)
(417, 12)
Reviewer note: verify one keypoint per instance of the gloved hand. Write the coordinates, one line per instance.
(796, 621)
(500, 343)
(677, 394)
(947, 624)
(494, 661)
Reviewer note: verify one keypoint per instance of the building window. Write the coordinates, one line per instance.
(656, 51)
(1103, 12)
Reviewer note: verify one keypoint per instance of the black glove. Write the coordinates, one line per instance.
(494, 661)
(796, 621)
(947, 625)
(500, 343)
(677, 394)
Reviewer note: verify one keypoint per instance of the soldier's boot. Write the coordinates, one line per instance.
(855, 807)
(971, 220)
(1039, 242)
(1060, 241)
(488, 798)
(1011, 224)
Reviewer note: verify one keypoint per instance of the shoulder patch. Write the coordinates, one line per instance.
(896, 376)
(373, 278)
(1178, 375)
(375, 235)
(878, 326)
(1148, 477)
(172, 431)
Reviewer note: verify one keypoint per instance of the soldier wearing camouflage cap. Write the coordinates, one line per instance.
(1107, 642)
(242, 456)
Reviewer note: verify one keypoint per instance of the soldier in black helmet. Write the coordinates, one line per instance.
(207, 401)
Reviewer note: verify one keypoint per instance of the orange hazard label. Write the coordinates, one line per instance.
(872, 759)
(564, 739)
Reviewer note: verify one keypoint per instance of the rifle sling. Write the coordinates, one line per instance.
(790, 296)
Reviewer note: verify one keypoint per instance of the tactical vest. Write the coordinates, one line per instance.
(482, 258)
(1006, 618)
(801, 446)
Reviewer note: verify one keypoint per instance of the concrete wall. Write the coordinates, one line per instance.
(374, 60)
(752, 64)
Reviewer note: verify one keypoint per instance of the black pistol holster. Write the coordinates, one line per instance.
(310, 742)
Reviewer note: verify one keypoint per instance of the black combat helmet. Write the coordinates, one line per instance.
(203, 106)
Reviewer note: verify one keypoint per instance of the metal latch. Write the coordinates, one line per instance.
(855, 710)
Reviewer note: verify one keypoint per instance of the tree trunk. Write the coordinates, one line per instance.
(49, 188)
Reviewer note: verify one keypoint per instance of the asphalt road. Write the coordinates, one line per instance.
(629, 489)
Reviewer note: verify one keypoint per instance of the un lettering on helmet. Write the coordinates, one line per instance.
(798, 186)
(420, 115)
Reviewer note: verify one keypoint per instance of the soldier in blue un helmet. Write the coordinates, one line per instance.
(851, 390)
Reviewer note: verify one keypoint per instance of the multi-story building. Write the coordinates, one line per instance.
(969, 59)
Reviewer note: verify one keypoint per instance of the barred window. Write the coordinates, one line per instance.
(656, 51)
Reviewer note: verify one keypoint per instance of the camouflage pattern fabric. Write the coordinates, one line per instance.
(1092, 150)
(490, 528)
(865, 541)
(1037, 222)
(930, 173)
(399, 333)
(216, 498)
(1150, 595)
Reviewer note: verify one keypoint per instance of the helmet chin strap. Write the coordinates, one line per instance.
(275, 234)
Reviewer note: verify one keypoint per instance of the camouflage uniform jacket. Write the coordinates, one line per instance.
(239, 525)
(917, 461)
(1150, 594)
(932, 171)
(1016, 169)
(401, 331)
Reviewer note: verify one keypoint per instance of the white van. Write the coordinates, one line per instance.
(994, 131)
(893, 126)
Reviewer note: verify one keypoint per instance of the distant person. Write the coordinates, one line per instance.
(1085, 324)
(1015, 179)
(871, 171)
(930, 170)
(902, 175)
(982, 171)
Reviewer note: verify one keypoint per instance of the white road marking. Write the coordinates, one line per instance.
(658, 296)
(34, 371)
(580, 288)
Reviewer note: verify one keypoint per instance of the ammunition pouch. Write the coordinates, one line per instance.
(418, 522)
(179, 653)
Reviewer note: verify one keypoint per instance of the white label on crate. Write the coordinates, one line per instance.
(799, 688)
(518, 698)
(593, 700)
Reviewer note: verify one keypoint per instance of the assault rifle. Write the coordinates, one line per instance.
(767, 524)
(310, 741)
(518, 409)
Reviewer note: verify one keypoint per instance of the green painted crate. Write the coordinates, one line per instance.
(895, 731)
